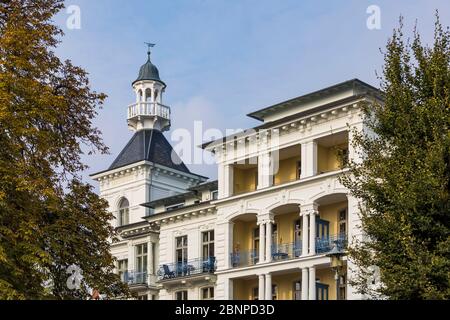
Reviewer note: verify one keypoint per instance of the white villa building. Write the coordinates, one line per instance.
(266, 228)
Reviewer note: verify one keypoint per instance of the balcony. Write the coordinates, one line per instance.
(284, 251)
(325, 244)
(135, 279)
(191, 268)
(148, 109)
(244, 258)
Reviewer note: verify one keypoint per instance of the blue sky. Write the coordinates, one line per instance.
(223, 59)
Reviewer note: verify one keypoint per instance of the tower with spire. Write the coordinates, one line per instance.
(146, 169)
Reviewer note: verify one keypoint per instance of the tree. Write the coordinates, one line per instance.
(403, 178)
(49, 218)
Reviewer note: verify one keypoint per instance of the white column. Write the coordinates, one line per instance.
(137, 96)
(262, 242)
(268, 286)
(144, 94)
(305, 278)
(228, 289)
(304, 232)
(265, 170)
(229, 227)
(227, 181)
(313, 211)
(131, 255)
(269, 241)
(312, 233)
(150, 258)
(261, 287)
(152, 93)
(312, 283)
(354, 233)
(308, 159)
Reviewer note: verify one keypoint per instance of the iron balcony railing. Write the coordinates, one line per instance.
(187, 268)
(244, 258)
(325, 244)
(282, 251)
(133, 277)
(148, 109)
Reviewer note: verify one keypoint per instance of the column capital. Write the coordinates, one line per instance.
(310, 208)
(261, 222)
(265, 218)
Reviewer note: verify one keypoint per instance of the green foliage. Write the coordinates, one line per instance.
(404, 177)
(49, 220)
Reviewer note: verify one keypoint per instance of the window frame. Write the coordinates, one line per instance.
(209, 290)
(209, 243)
(184, 295)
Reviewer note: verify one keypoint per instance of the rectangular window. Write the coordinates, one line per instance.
(208, 293)
(122, 269)
(141, 263)
(297, 291)
(208, 244)
(214, 195)
(143, 297)
(181, 295)
(343, 221)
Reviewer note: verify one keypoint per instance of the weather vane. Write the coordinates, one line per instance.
(149, 45)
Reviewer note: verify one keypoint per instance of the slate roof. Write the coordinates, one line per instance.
(150, 145)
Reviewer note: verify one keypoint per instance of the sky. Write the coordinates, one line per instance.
(222, 59)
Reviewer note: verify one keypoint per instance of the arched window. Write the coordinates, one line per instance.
(124, 212)
(148, 95)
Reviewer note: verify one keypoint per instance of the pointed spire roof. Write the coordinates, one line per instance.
(150, 145)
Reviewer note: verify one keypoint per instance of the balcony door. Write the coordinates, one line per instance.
(181, 253)
(141, 263)
(322, 228)
(208, 258)
(322, 236)
(255, 253)
(321, 291)
(297, 291)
